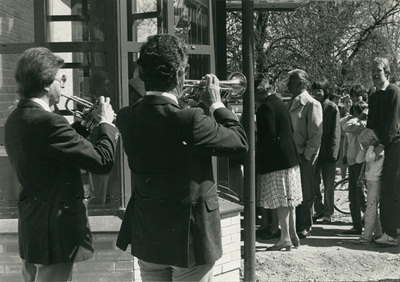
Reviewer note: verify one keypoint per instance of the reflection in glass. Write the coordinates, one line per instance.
(192, 21)
(200, 65)
(144, 6)
(147, 18)
(76, 21)
(136, 85)
(145, 28)
(14, 29)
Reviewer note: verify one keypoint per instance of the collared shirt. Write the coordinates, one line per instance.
(385, 85)
(42, 103)
(164, 94)
(212, 108)
(46, 107)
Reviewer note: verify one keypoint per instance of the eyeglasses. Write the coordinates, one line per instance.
(61, 80)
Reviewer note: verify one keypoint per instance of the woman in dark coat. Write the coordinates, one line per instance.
(278, 165)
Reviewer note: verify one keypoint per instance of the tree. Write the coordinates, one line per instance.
(335, 39)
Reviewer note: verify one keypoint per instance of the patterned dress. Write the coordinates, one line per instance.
(281, 188)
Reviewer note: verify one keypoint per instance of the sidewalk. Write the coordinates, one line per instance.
(328, 256)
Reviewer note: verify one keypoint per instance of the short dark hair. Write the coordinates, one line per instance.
(302, 75)
(323, 84)
(36, 69)
(160, 58)
(359, 90)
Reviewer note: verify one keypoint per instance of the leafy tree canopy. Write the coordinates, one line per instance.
(334, 39)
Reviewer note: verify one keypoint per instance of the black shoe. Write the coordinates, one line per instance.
(317, 216)
(270, 235)
(352, 231)
(304, 233)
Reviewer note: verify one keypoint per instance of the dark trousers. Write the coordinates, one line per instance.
(304, 210)
(356, 196)
(390, 190)
(328, 173)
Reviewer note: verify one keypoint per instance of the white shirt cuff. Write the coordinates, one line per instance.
(214, 106)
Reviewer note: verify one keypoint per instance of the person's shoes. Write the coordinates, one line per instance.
(317, 216)
(362, 241)
(304, 233)
(326, 220)
(286, 245)
(386, 240)
(295, 242)
(270, 235)
(376, 236)
(352, 231)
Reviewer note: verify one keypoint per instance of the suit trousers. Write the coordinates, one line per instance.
(390, 190)
(304, 210)
(328, 173)
(41, 273)
(163, 272)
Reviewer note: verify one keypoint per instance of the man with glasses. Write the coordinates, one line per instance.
(48, 155)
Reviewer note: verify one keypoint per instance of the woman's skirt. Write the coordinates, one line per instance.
(281, 188)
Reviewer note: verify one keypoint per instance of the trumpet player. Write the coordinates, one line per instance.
(172, 220)
(47, 154)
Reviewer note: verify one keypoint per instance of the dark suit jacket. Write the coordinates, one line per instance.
(330, 140)
(276, 149)
(174, 197)
(47, 154)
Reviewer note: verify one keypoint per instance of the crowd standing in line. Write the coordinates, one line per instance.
(370, 147)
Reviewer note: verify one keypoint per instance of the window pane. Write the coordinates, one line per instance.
(200, 65)
(8, 87)
(136, 86)
(17, 26)
(76, 22)
(144, 6)
(146, 19)
(192, 21)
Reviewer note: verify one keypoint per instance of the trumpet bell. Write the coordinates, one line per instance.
(233, 88)
(85, 114)
(238, 83)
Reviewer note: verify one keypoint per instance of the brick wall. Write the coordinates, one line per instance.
(16, 22)
(110, 263)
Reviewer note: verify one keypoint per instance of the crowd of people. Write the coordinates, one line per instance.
(172, 220)
(353, 132)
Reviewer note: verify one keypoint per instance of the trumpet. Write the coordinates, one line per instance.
(85, 115)
(233, 88)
